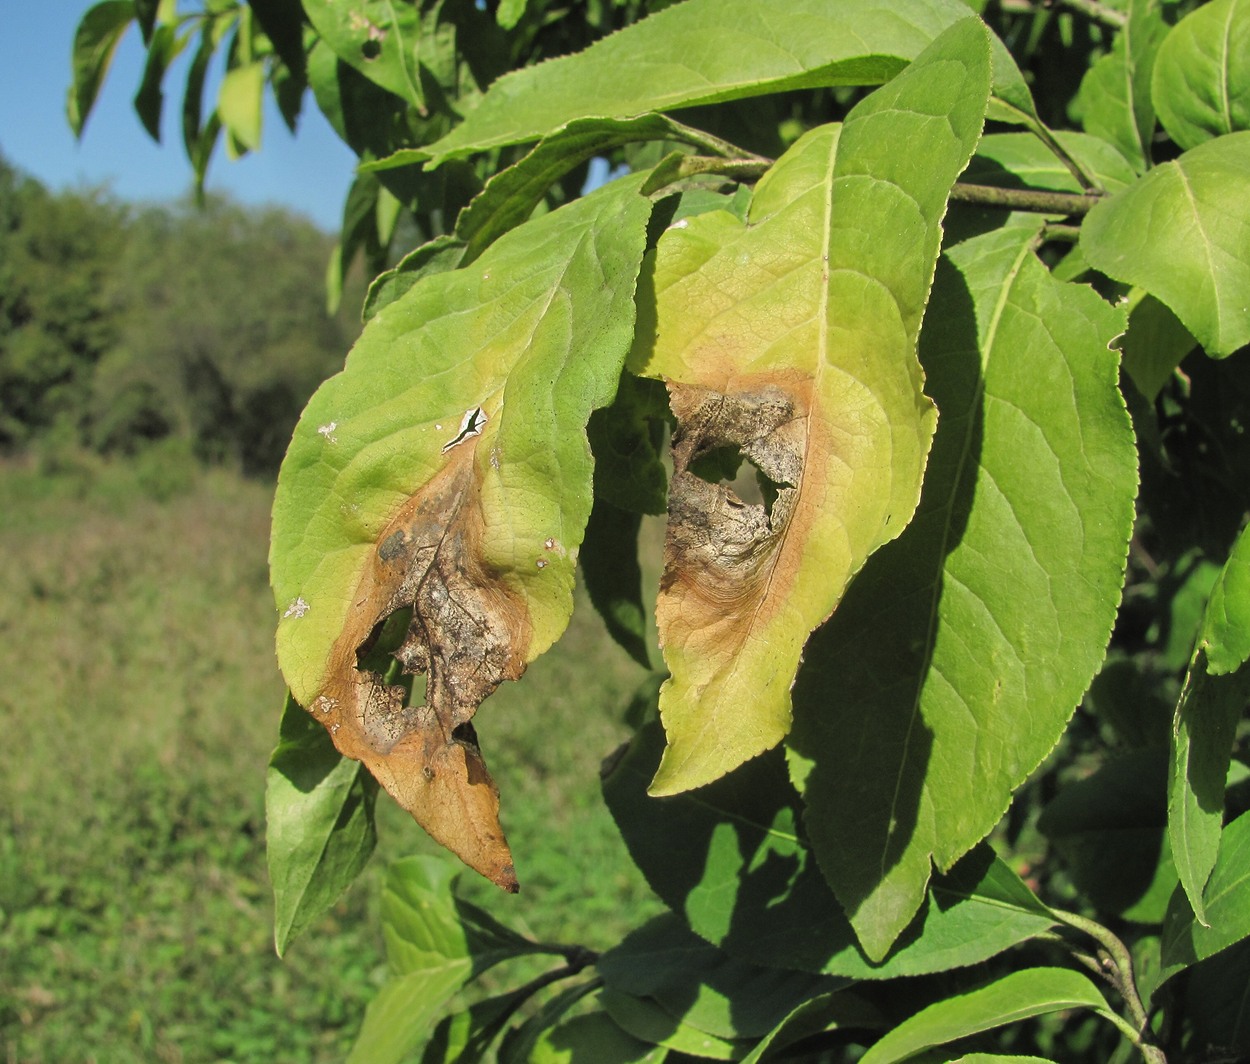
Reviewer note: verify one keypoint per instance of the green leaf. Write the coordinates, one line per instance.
(193, 97)
(465, 1037)
(377, 38)
(1020, 160)
(147, 14)
(1114, 97)
(511, 12)
(1014, 997)
(1203, 730)
(364, 115)
(729, 859)
(708, 51)
(1201, 81)
(519, 1042)
(1154, 345)
(423, 921)
(960, 652)
(914, 724)
(512, 194)
(283, 23)
(319, 817)
(701, 986)
(435, 943)
(359, 233)
(592, 1036)
(1226, 900)
(95, 41)
(402, 1015)
(1192, 582)
(1225, 638)
(1109, 827)
(1180, 233)
(1217, 1001)
(439, 255)
(163, 47)
(447, 467)
(646, 1021)
(825, 1012)
(199, 137)
(822, 393)
(239, 107)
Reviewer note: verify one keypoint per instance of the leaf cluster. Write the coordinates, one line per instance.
(953, 586)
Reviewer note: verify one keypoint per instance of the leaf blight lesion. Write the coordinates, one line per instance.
(466, 635)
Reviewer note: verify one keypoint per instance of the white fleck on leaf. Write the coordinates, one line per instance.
(470, 425)
(328, 432)
(297, 608)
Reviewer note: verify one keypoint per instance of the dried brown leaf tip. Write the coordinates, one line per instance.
(468, 634)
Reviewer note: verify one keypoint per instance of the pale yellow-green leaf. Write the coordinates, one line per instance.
(792, 338)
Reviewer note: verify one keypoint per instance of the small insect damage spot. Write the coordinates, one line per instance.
(371, 46)
(466, 632)
(328, 432)
(297, 608)
(471, 425)
(717, 540)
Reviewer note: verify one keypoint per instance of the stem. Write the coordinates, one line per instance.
(576, 957)
(1084, 177)
(1024, 199)
(1067, 234)
(1118, 970)
(680, 167)
(524, 993)
(706, 142)
(749, 169)
(1098, 12)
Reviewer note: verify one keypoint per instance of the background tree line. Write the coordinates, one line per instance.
(125, 325)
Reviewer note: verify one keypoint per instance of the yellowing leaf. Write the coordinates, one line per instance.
(790, 339)
(447, 471)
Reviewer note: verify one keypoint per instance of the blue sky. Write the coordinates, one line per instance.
(309, 172)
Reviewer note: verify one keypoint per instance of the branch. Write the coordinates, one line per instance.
(576, 957)
(681, 167)
(1024, 199)
(1098, 12)
(1063, 234)
(709, 143)
(1117, 968)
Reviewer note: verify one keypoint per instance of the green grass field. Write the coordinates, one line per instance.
(139, 702)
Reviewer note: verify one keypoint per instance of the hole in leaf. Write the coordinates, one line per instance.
(371, 49)
(747, 483)
(388, 646)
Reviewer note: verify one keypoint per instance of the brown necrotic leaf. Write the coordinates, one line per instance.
(468, 634)
(446, 474)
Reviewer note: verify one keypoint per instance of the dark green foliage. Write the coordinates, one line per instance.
(122, 326)
(57, 303)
